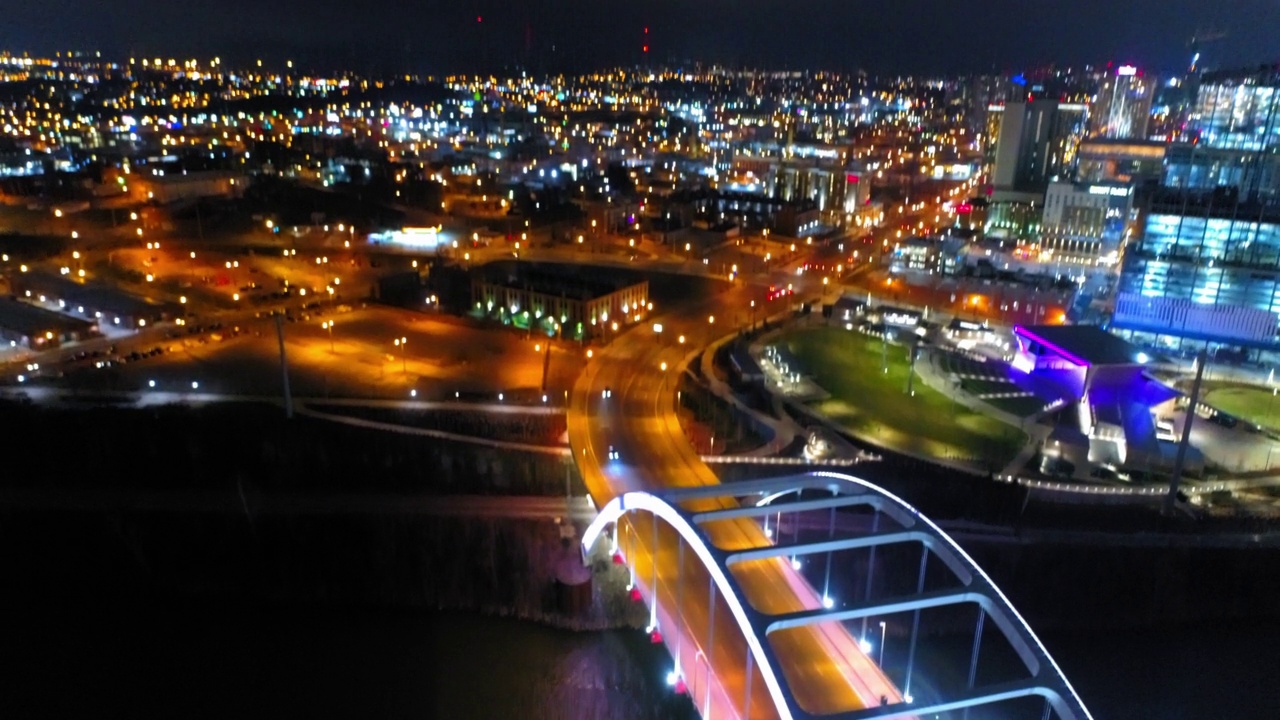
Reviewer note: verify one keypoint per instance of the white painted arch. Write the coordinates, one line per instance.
(1058, 690)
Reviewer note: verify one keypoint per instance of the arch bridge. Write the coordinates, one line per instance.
(765, 551)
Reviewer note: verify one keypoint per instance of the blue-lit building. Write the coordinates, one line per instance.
(1235, 133)
(1206, 266)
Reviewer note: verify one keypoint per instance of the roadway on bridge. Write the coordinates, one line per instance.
(822, 664)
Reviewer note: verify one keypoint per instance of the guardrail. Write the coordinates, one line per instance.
(1083, 489)
(757, 460)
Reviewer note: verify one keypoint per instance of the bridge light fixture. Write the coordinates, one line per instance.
(864, 645)
(827, 602)
(795, 563)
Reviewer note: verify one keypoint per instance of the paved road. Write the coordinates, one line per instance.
(822, 664)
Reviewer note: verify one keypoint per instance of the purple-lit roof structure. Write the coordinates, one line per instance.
(1084, 345)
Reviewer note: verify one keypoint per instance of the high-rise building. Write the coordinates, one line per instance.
(1038, 142)
(986, 97)
(1122, 106)
(1235, 136)
(1037, 145)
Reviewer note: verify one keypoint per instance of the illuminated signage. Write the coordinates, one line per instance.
(899, 318)
(1112, 191)
(428, 237)
(1126, 71)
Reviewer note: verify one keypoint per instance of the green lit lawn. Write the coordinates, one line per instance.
(1247, 402)
(875, 406)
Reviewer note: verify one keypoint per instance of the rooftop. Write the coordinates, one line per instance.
(550, 280)
(31, 321)
(1084, 344)
(97, 297)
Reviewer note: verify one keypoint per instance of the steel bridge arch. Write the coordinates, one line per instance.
(1047, 679)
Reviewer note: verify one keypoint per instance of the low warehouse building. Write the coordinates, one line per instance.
(39, 329)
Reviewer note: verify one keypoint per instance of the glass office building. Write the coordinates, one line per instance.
(1239, 113)
(1206, 266)
(1236, 133)
(1209, 254)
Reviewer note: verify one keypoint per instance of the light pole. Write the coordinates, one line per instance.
(883, 631)
(401, 343)
(328, 325)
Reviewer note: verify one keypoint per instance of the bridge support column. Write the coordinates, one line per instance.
(973, 657)
(827, 602)
(711, 643)
(871, 565)
(653, 559)
(628, 531)
(679, 607)
(915, 626)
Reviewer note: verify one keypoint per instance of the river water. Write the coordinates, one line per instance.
(219, 661)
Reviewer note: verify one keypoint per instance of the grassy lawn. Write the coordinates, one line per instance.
(1247, 402)
(875, 406)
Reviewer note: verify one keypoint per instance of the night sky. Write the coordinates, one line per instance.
(947, 36)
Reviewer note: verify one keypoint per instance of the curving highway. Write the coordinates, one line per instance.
(822, 664)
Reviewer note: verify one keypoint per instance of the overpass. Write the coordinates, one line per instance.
(759, 627)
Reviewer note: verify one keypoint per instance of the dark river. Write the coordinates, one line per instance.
(207, 661)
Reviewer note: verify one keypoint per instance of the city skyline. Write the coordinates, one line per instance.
(913, 37)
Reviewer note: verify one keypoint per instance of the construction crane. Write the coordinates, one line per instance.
(1199, 38)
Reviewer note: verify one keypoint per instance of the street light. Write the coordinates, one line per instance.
(883, 631)
(328, 325)
(401, 343)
